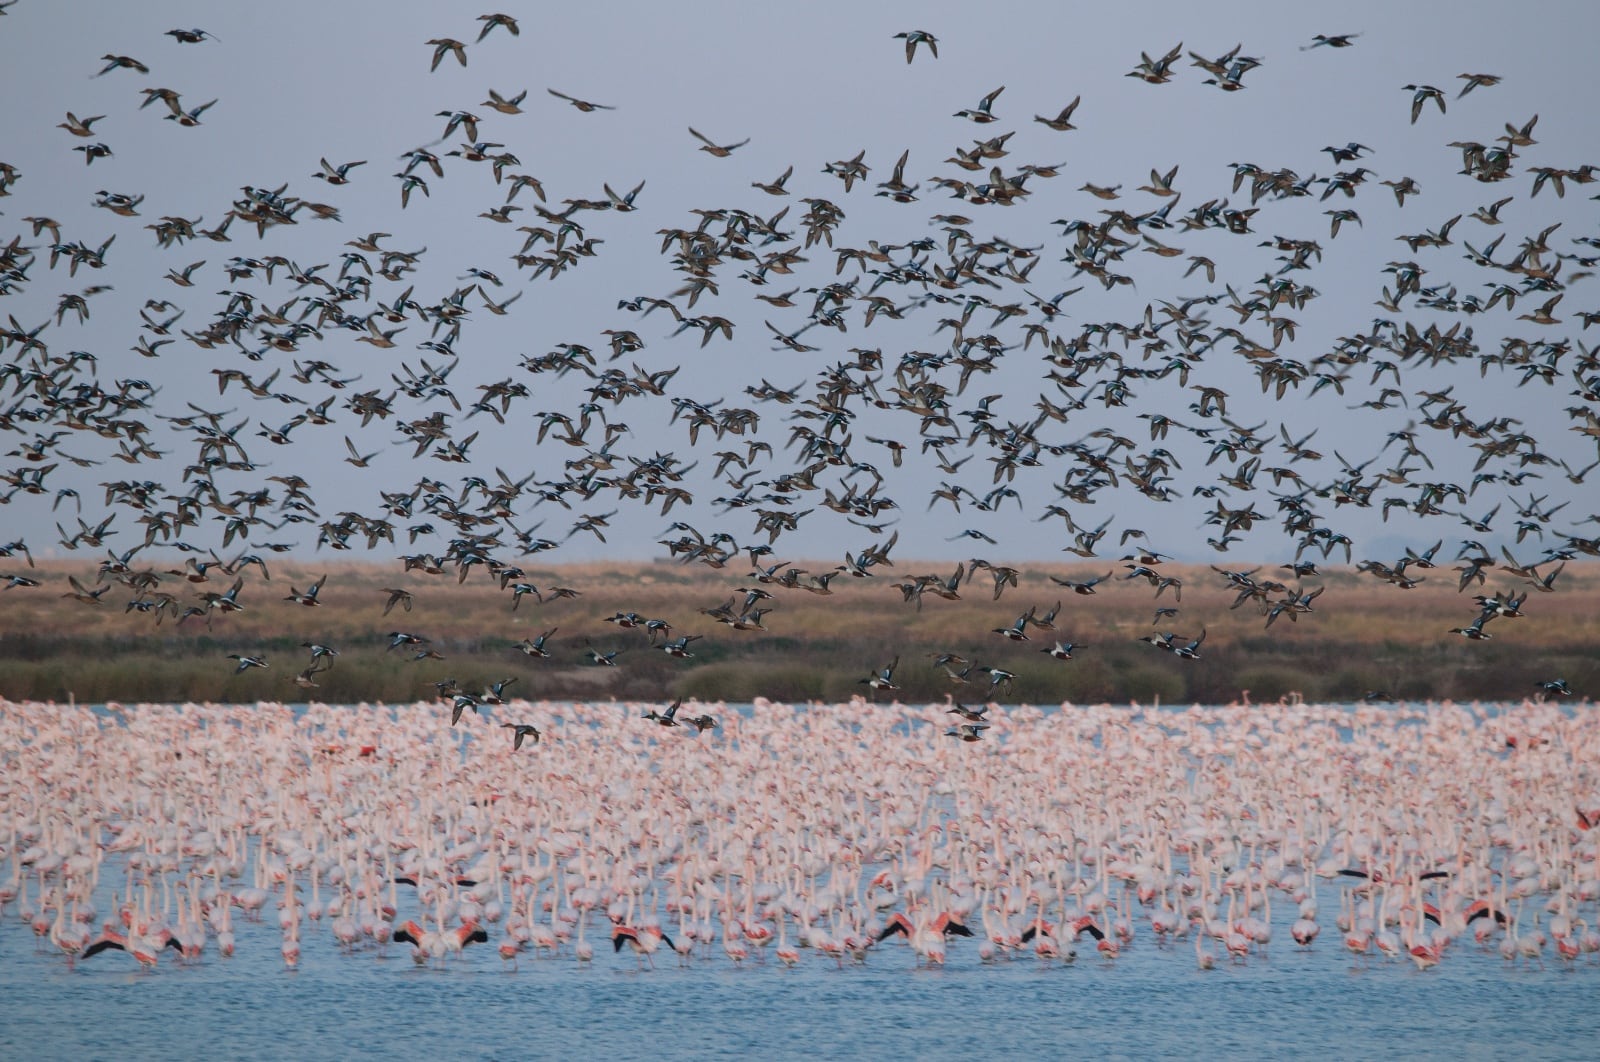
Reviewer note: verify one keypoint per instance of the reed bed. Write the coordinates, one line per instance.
(1364, 636)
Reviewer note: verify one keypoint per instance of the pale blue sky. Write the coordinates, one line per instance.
(808, 84)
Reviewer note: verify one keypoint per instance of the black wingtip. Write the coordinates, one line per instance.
(1485, 911)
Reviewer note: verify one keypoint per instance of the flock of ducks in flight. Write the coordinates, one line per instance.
(990, 305)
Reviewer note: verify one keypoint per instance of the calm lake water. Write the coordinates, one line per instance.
(1150, 1002)
(1147, 1004)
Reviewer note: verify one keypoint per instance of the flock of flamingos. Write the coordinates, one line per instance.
(157, 837)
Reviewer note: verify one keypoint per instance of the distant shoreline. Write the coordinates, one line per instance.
(1363, 636)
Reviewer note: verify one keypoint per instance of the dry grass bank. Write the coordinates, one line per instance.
(1363, 635)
